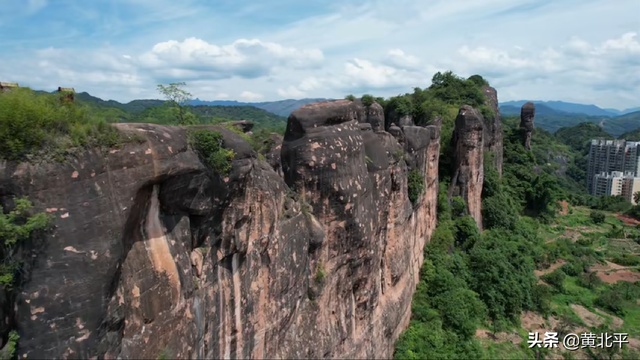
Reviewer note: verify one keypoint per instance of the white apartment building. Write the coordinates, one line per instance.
(616, 183)
(611, 156)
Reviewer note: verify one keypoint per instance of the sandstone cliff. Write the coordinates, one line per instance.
(493, 127)
(468, 178)
(154, 253)
(527, 116)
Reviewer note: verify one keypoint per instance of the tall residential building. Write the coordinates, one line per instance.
(608, 156)
(616, 183)
(607, 183)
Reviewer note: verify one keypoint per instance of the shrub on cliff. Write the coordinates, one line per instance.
(17, 226)
(368, 100)
(416, 185)
(209, 144)
(31, 122)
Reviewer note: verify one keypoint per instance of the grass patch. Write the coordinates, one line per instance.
(34, 125)
(164, 354)
(209, 144)
(320, 273)
(632, 321)
(506, 351)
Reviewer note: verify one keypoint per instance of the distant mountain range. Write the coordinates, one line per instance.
(567, 107)
(553, 115)
(550, 115)
(281, 107)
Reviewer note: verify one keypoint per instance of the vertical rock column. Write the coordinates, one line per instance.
(493, 127)
(468, 178)
(527, 115)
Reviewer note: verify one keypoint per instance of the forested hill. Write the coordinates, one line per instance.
(552, 119)
(155, 111)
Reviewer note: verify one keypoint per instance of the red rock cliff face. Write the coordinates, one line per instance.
(152, 253)
(493, 140)
(468, 140)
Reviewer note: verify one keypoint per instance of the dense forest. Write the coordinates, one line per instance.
(544, 237)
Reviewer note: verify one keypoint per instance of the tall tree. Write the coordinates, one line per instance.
(177, 98)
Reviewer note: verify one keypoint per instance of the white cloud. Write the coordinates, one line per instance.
(613, 66)
(329, 50)
(222, 96)
(196, 58)
(291, 92)
(250, 96)
(399, 59)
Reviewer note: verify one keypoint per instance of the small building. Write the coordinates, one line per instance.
(68, 94)
(6, 86)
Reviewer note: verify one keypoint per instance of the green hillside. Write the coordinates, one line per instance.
(544, 261)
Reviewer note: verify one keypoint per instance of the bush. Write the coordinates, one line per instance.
(15, 227)
(625, 259)
(499, 212)
(31, 123)
(368, 100)
(555, 279)
(350, 98)
(458, 207)
(416, 185)
(208, 144)
(613, 301)
(466, 233)
(597, 217)
(542, 298)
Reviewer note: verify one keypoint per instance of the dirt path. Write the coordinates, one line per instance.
(551, 268)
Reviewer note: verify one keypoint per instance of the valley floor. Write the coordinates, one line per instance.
(575, 308)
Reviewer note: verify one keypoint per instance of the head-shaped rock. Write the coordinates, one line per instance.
(527, 115)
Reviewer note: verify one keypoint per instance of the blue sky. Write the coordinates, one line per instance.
(584, 51)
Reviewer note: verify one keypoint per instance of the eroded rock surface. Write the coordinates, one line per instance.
(493, 140)
(527, 116)
(468, 178)
(154, 253)
(357, 190)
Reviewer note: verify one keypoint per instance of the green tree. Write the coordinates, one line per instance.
(368, 100)
(597, 217)
(177, 99)
(636, 197)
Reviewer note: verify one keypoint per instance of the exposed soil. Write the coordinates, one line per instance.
(623, 275)
(564, 208)
(616, 322)
(500, 337)
(589, 318)
(612, 273)
(628, 220)
(551, 268)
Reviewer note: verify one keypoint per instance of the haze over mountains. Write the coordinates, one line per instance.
(568, 107)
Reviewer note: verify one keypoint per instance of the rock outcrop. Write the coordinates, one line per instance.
(154, 253)
(357, 188)
(468, 178)
(493, 127)
(372, 114)
(243, 125)
(527, 116)
(273, 156)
